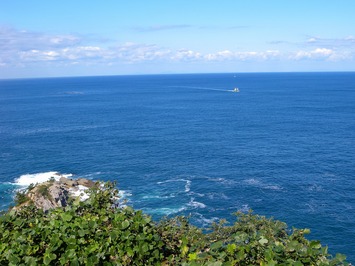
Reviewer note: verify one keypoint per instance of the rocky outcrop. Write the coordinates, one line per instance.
(57, 193)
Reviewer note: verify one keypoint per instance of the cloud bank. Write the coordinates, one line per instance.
(24, 48)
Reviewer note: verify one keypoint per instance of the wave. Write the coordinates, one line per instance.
(74, 93)
(187, 185)
(214, 195)
(257, 183)
(195, 204)
(158, 197)
(28, 179)
(203, 221)
(222, 181)
(163, 211)
(80, 191)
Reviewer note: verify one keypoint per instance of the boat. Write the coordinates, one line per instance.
(236, 90)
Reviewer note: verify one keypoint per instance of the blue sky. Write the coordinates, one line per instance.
(81, 38)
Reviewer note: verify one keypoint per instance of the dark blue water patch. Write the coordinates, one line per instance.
(185, 144)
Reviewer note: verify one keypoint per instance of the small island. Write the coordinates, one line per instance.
(67, 221)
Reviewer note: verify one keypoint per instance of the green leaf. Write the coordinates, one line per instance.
(216, 245)
(315, 244)
(231, 248)
(340, 257)
(66, 216)
(125, 224)
(30, 261)
(192, 256)
(14, 259)
(130, 252)
(145, 247)
(216, 263)
(48, 257)
(263, 241)
(82, 233)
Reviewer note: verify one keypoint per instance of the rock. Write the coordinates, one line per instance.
(53, 194)
(68, 182)
(86, 182)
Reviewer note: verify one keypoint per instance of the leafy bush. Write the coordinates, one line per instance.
(97, 232)
(84, 233)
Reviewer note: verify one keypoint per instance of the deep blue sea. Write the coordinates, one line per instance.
(284, 146)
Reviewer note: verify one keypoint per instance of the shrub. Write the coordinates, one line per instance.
(98, 232)
(20, 197)
(43, 190)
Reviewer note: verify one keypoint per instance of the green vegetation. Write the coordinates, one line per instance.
(21, 197)
(43, 190)
(96, 232)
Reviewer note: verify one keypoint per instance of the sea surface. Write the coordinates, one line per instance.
(284, 146)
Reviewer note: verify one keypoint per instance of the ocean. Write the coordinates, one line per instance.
(283, 146)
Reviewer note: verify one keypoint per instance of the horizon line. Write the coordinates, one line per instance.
(178, 73)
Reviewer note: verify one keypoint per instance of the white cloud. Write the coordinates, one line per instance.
(132, 52)
(312, 40)
(21, 48)
(332, 43)
(185, 55)
(12, 39)
(73, 53)
(350, 38)
(242, 56)
(318, 53)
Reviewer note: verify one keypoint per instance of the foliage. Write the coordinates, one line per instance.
(256, 240)
(98, 232)
(84, 233)
(20, 197)
(44, 190)
(30, 187)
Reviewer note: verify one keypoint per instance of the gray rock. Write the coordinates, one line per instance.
(86, 182)
(53, 194)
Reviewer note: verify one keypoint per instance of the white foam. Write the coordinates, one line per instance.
(123, 194)
(27, 179)
(205, 221)
(74, 92)
(257, 183)
(79, 191)
(273, 187)
(252, 181)
(173, 180)
(222, 181)
(163, 211)
(214, 195)
(187, 185)
(245, 208)
(157, 197)
(196, 204)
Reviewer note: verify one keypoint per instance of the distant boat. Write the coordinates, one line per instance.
(236, 90)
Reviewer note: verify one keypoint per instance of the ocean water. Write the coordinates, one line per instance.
(283, 146)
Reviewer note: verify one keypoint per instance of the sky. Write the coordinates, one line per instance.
(40, 38)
